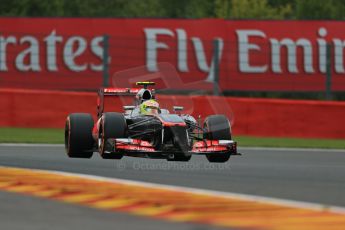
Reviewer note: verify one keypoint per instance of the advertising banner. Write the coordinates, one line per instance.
(68, 53)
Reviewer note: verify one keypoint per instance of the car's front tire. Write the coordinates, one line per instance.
(217, 127)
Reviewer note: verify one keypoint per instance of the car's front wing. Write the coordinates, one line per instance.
(201, 147)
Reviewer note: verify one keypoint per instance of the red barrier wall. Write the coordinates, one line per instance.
(258, 117)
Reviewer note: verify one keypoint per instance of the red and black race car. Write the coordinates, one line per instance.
(172, 136)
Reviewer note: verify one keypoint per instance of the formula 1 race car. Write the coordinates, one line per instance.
(159, 134)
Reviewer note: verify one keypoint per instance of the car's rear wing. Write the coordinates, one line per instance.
(119, 91)
(140, 92)
(106, 92)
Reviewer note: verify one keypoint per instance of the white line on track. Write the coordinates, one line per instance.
(291, 149)
(30, 145)
(230, 195)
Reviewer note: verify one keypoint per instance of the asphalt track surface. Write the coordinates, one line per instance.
(316, 176)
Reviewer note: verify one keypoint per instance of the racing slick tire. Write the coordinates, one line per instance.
(78, 135)
(217, 128)
(113, 125)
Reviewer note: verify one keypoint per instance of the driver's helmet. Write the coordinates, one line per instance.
(143, 95)
(149, 107)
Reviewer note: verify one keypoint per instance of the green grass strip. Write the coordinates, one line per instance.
(31, 135)
(56, 136)
(250, 141)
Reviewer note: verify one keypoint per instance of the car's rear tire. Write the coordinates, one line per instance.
(113, 125)
(79, 142)
(217, 127)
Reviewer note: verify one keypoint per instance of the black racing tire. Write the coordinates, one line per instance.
(113, 125)
(217, 127)
(79, 142)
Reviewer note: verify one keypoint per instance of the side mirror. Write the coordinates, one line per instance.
(178, 108)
